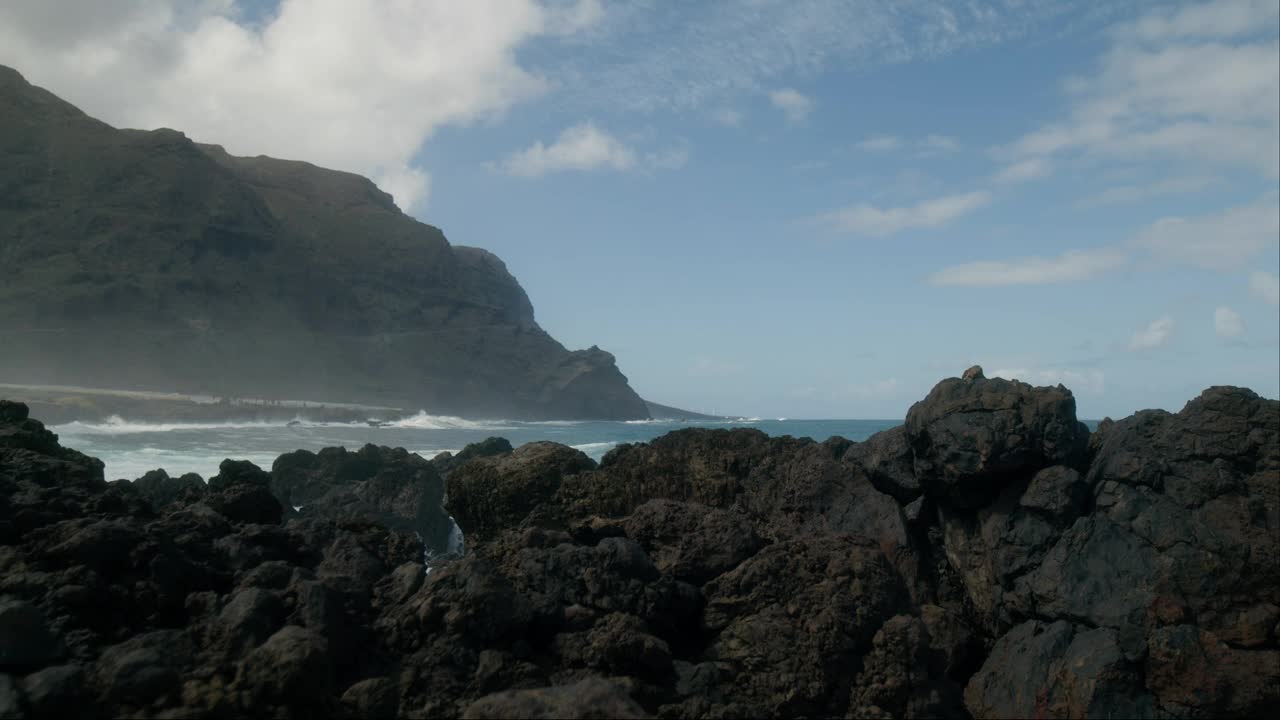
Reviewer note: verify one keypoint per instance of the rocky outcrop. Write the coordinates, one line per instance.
(991, 558)
(392, 487)
(190, 270)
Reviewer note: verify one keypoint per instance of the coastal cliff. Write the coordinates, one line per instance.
(145, 261)
(989, 558)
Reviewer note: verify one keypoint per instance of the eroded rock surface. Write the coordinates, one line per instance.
(991, 558)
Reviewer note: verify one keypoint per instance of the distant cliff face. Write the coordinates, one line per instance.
(145, 260)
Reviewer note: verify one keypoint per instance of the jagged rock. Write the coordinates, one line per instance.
(372, 699)
(590, 698)
(707, 574)
(889, 463)
(292, 669)
(793, 619)
(995, 547)
(145, 668)
(689, 541)
(972, 437)
(709, 467)
(915, 668)
(251, 616)
(1058, 670)
(391, 487)
(446, 462)
(242, 492)
(158, 489)
(25, 640)
(496, 492)
(1195, 674)
(617, 644)
(1058, 492)
(1185, 518)
(54, 691)
(10, 698)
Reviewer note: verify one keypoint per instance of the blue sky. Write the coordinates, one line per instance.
(787, 209)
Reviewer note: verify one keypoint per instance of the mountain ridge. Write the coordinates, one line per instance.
(144, 260)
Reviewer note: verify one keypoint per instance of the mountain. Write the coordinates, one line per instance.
(666, 412)
(143, 260)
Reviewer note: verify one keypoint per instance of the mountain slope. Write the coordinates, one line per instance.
(147, 261)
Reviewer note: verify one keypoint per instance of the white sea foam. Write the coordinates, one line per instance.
(595, 450)
(116, 425)
(133, 464)
(425, 421)
(431, 454)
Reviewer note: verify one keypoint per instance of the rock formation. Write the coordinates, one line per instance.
(189, 270)
(990, 558)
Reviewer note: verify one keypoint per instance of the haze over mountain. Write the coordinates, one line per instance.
(145, 260)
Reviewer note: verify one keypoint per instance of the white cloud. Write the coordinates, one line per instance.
(1023, 170)
(1122, 194)
(1207, 20)
(1199, 84)
(581, 147)
(1070, 266)
(1265, 285)
(880, 143)
(646, 56)
(1153, 336)
(1221, 241)
(939, 144)
(1227, 323)
(1092, 382)
(926, 146)
(727, 117)
(873, 221)
(356, 86)
(795, 106)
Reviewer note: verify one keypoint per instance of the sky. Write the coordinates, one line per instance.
(783, 208)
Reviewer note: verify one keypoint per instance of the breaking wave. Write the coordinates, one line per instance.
(424, 421)
(116, 425)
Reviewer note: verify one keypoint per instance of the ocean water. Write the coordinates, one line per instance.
(130, 449)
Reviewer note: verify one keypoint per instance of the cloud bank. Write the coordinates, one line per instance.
(356, 86)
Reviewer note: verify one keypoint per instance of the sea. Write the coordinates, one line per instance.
(130, 449)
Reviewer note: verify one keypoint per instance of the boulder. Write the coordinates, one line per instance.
(241, 491)
(10, 695)
(692, 542)
(971, 437)
(1058, 670)
(794, 618)
(158, 489)
(392, 487)
(26, 642)
(446, 462)
(490, 494)
(889, 463)
(54, 691)
(590, 698)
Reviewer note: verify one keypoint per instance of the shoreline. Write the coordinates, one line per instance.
(62, 404)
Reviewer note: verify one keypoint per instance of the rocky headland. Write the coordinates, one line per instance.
(989, 558)
(142, 260)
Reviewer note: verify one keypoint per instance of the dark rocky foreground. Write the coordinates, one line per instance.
(989, 558)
